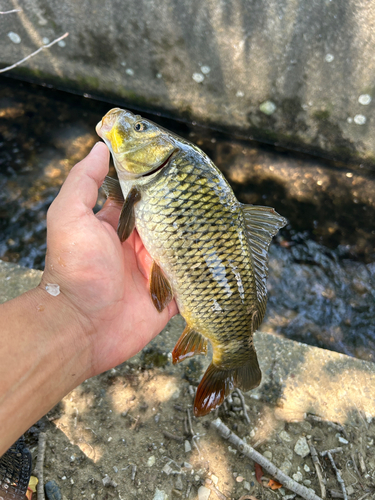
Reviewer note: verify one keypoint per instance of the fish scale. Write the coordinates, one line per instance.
(196, 291)
(209, 251)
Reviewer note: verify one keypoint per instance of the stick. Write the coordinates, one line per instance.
(331, 424)
(338, 475)
(188, 490)
(10, 12)
(8, 68)
(192, 432)
(240, 395)
(362, 463)
(38, 471)
(247, 450)
(211, 486)
(318, 469)
(172, 436)
(134, 472)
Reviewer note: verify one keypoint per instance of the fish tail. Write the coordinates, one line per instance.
(217, 383)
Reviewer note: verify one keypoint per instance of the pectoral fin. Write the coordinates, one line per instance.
(126, 222)
(112, 190)
(160, 288)
(189, 344)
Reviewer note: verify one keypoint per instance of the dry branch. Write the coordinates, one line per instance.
(38, 471)
(245, 414)
(248, 451)
(8, 68)
(9, 12)
(338, 475)
(318, 469)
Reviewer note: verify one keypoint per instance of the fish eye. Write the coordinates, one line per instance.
(140, 126)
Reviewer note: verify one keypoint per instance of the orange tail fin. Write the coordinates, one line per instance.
(217, 383)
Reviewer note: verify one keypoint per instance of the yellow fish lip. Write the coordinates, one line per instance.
(105, 127)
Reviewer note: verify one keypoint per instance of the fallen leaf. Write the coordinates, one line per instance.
(274, 485)
(258, 473)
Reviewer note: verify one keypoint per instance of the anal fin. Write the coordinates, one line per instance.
(160, 288)
(126, 222)
(217, 383)
(189, 344)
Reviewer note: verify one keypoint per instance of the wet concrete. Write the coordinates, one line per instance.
(321, 283)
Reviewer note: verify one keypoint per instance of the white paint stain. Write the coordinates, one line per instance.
(267, 107)
(14, 37)
(360, 119)
(198, 77)
(129, 72)
(61, 43)
(364, 99)
(239, 93)
(205, 69)
(329, 58)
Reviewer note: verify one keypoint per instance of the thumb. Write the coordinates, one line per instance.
(83, 181)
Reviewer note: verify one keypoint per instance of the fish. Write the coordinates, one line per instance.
(209, 251)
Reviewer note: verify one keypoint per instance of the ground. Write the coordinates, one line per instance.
(129, 428)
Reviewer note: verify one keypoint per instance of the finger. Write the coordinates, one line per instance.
(110, 212)
(84, 180)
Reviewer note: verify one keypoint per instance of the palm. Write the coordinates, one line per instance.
(104, 280)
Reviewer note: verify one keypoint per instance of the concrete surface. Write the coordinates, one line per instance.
(296, 73)
(297, 378)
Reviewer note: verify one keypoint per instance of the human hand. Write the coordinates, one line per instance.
(103, 283)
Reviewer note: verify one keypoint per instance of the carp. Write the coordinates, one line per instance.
(209, 251)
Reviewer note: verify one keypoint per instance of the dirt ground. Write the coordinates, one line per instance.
(126, 434)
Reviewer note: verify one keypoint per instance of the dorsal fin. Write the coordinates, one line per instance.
(112, 190)
(262, 224)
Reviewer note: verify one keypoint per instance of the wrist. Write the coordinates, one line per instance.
(45, 354)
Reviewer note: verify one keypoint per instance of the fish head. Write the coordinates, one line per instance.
(138, 146)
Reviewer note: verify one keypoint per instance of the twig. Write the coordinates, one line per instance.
(192, 432)
(247, 450)
(134, 472)
(10, 12)
(186, 427)
(364, 496)
(8, 68)
(240, 395)
(211, 486)
(331, 424)
(38, 471)
(188, 490)
(355, 464)
(318, 469)
(362, 463)
(331, 451)
(190, 424)
(338, 475)
(172, 436)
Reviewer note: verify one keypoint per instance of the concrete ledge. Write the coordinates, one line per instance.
(299, 74)
(297, 378)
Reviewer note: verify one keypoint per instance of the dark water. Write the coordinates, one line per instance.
(322, 266)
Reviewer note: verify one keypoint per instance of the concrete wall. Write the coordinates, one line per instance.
(299, 73)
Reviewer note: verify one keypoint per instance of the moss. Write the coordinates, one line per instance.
(321, 114)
